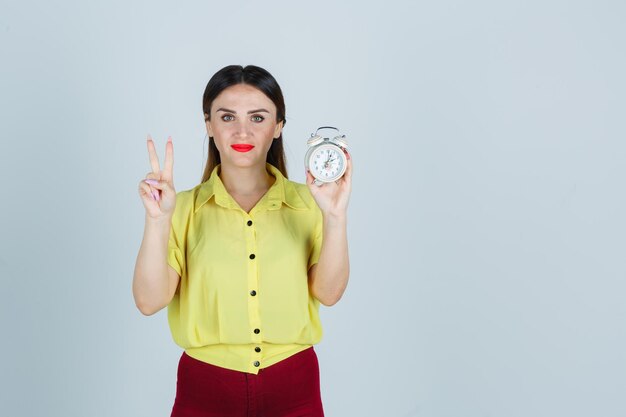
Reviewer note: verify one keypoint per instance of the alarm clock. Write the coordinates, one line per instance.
(325, 158)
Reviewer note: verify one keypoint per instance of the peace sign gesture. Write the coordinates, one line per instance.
(157, 190)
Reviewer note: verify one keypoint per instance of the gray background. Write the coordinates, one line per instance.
(486, 225)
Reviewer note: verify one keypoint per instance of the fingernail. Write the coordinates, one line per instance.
(151, 181)
(158, 198)
(154, 196)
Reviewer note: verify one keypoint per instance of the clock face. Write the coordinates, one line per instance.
(327, 163)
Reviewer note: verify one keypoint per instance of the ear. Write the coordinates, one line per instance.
(278, 129)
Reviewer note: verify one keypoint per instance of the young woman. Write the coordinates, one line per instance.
(243, 260)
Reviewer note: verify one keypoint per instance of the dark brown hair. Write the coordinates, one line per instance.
(260, 79)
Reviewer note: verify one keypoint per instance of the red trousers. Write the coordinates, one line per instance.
(289, 388)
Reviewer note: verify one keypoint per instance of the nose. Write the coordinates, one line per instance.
(242, 128)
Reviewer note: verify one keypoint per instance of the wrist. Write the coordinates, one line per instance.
(335, 218)
(162, 221)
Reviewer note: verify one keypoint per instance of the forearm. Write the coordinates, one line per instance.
(150, 281)
(333, 267)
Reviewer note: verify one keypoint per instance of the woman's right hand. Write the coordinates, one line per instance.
(157, 189)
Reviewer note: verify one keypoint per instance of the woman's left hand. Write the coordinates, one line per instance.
(332, 197)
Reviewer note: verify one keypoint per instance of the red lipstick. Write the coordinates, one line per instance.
(242, 147)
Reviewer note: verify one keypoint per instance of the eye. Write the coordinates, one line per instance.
(228, 117)
(258, 118)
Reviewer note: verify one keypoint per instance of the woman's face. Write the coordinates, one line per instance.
(242, 115)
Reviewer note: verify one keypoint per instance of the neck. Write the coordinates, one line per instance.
(245, 181)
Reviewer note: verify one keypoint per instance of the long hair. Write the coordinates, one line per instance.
(265, 82)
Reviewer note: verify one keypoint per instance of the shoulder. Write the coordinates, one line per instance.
(299, 193)
(185, 203)
(186, 198)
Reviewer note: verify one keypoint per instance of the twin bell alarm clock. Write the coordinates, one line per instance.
(325, 158)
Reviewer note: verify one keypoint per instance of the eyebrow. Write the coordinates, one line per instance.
(250, 112)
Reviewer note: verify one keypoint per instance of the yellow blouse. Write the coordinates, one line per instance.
(243, 300)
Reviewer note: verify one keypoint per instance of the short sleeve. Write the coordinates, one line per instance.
(317, 244)
(176, 243)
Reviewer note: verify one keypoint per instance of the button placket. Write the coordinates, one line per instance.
(257, 357)
(253, 284)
